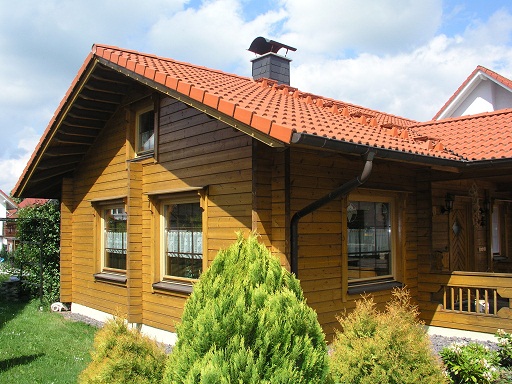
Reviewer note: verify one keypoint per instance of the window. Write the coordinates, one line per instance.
(499, 234)
(370, 246)
(114, 238)
(145, 141)
(183, 240)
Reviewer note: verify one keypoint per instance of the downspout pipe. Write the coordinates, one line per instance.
(340, 191)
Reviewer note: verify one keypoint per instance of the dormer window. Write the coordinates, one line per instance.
(145, 141)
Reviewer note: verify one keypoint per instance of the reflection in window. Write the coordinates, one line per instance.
(496, 243)
(369, 240)
(183, 240)
(115, 238)
(146, 131)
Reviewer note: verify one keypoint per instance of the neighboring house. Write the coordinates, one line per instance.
(6, 207)
(10, 228)
(159, 163)
(483, 91)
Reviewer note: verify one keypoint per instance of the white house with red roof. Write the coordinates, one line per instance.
(6, 207)
(159, 163)
(483, 91)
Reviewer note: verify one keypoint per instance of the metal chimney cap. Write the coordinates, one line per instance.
(261, 45)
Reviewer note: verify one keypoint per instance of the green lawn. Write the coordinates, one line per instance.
(41, 347)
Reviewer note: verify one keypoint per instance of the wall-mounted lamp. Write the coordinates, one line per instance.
(448, 203)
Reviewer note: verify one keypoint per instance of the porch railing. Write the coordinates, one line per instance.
(467, 300)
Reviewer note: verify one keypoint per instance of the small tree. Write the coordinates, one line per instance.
(39, 225)
(248, 322)
(122, 355)
(384, 347)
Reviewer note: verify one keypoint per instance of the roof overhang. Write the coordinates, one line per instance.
(94, 96)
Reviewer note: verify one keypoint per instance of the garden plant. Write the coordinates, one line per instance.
(123, 355)
(387, 346)
(32, 223)
(247, 322)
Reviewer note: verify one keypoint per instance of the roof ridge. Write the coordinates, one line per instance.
(464, 117)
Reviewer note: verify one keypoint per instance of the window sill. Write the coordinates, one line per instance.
(174, 287)
(143, 156)
(368, 287)
(110, 278)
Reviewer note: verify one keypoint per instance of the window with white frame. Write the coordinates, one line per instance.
(145, 132)
(182, 239)
(370, 238)
(114, 220)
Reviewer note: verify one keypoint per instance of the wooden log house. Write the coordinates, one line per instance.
(158, 164)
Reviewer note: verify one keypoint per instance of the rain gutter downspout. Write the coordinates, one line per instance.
(340, 191)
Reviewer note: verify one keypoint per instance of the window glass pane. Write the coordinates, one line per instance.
(496, 246)
(146, 126)
(369, 240)
(184, 240)
(115, 238)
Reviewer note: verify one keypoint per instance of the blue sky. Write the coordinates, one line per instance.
(405, 57)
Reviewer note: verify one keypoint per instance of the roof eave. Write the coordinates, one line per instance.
(361, 149)
(53, 126)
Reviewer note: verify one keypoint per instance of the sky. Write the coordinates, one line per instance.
(404, 57)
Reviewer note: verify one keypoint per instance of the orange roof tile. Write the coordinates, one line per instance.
(496, 76)
(486, 136)
(278, 112)
(275, 110)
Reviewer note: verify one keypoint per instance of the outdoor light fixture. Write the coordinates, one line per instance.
(484, 211)
(448, 203)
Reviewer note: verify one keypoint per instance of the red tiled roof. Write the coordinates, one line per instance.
(496, 76)
(486, 136)
(261, 108)
(275, 110)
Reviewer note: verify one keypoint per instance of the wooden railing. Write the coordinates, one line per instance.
(471, 300)
(467, 300)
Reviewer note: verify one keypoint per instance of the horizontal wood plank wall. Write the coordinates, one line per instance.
(314, 175)
(66, 237)
(101, 175)
(281, 207)
(134, 249)
(262, 196)
(194, 151)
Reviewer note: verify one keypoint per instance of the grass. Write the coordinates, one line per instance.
(40, 346)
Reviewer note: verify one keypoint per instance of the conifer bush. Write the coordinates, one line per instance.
(247, 322)
(384, 347)
(121, 355)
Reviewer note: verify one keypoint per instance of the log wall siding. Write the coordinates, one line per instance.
(321, 233)
(134, 249)
(194, 151)
(102, 175)
(66, 241)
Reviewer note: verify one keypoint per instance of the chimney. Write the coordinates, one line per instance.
(268, 64)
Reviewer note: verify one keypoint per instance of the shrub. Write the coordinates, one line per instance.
(504, 348)
(384, 347)
(33, 223)
(470, 363)
(122, 355)
(247, 322)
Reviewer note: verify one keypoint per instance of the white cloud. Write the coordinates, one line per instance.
(412, 84)
(214, 35)
(12, 168)
(372, 26)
